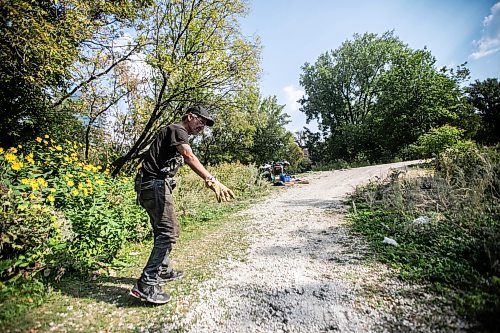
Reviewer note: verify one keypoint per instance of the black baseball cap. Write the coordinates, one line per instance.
(202, 112)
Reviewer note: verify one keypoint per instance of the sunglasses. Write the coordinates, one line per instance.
(201, 120)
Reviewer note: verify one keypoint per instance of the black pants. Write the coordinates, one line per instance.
(156, 198)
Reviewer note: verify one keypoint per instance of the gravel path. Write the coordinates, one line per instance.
(304, 272)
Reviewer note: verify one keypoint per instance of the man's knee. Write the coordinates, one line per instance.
(164, 240)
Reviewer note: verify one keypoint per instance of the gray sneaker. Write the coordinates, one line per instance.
(151, 294)
(167, 277)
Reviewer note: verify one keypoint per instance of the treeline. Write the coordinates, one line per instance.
(378, 100)
(111, 73)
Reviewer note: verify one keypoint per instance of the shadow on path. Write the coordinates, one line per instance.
(111, 290)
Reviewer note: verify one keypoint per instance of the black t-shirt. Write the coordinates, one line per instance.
(162, 158)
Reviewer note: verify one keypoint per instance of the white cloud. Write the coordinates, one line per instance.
(292, 96)
(298, 118)
(490, 39)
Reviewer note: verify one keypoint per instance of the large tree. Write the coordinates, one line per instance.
(485, 97)
(39, 41)
(415, 98)
(272, 141)
(374, 95)
(254, 133)
(195, 53)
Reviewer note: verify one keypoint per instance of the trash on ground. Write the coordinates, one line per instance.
(390, 241)
(421, 220)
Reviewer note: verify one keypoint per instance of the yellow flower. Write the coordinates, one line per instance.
(19, 146)
(50, 198)
(46, 136)
(10, 157)
(99, 167)
(34, 186)
(52, 190)
(74, 192)
(58, 148)
(30, 159)
(1, 150)
(16, 165)
(45, 141)
(85, 192)
(13, 150)
(106, 172)
(80, 186)
(42, 182)
(99, 182)
(32, 196)
(67, 159)
(38, 139)
(70, 183)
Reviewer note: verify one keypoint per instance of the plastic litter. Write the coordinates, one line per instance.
(390, 241)
(421, 220)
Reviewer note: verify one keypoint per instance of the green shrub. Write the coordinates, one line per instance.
(195, 203)
(62, 214)
(436, 141)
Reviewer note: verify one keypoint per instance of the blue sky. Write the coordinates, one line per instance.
(293, 32)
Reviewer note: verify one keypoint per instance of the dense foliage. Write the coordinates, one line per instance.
(374, 96)
(485, 97)
(112, 73)
(61, 213)
(251, 137)
(446, 222)
(39, 43)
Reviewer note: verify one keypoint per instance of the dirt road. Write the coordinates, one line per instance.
(304, 272)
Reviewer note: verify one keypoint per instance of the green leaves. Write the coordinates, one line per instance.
(373, 96)
(485, 97)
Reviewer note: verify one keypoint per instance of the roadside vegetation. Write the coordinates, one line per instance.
(61, 217)
(445, 220)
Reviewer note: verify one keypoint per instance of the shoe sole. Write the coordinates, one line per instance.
(143, 298)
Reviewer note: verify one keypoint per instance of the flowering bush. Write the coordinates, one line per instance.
(60, 213)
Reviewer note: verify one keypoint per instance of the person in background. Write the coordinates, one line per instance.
(154, 184)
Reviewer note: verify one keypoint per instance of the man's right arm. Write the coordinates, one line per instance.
(193, 161)
(222, 192)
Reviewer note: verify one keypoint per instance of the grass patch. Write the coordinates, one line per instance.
(102, 302)
(446, 222)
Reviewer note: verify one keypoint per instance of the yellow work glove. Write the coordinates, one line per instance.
(221, 191)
